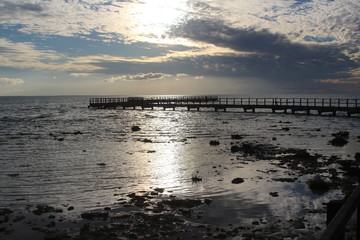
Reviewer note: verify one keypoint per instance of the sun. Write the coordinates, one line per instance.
(151, 19)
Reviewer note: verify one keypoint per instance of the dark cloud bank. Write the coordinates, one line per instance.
(275, 58)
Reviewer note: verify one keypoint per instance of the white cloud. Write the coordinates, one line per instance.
(80, 74)
(10, 81)
(138, 77)
(27, 56)
(182, 75)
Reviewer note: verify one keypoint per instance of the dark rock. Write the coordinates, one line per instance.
(236, 136)
(196, 179)
(95, 215)
(135, 128)
(51, 224)
(5, 211)
(160, 190)
(18, 218)
(214, 142)
(101, 164)
(342, 134)
(357, 157)
(13, 175)
(207, 201)
(298, 224)
(318, 186)
(40, 209)
(338, 141)
(179, 203)
(237, 180)
(285, 179)
(60, 139)
(274, 194)
(147, 140)
(286, 129)
(235, 149)
(77, 133)
(70, 208)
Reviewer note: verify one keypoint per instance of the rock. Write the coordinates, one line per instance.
(285, 179)
(196, 179)
(70, 208)
(95, 215)
(207, 201)
(338, 141)
(77, 133)
(235, 149)
(214, 143)
(60, 139)
(237, 180)
(274, 194)
(357, 157)
(318, 186)
(236, 136)
(286, 129)
(135, 128)
(101, 164)
(343, 134)
(179, 203)
(160, 190)
(5, 211)
(40, 209)
(13, 175)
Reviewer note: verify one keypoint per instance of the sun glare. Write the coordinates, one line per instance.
(152, 18)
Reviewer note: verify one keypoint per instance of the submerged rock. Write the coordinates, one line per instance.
(214, 143)
(95, 215)
(357, 157)
(274, 194)
(340, 138)
(318, 185)
(5, 211)
(338, 141)
(40, 209)
(236, 136)
(179, 203)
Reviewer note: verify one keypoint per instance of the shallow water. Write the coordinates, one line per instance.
(108, 160)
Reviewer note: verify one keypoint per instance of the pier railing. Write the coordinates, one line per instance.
(337, 225)
(350, 106)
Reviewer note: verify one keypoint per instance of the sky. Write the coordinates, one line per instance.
(182, 47)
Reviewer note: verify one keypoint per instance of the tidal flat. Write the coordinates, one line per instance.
(74, 173)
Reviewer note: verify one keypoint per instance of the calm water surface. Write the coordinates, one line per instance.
(108, 160)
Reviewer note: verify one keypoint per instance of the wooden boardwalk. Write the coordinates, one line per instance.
(293, 105)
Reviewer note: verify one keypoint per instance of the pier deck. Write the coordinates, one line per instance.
(293, 105)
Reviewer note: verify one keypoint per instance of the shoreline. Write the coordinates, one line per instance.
(158, 214)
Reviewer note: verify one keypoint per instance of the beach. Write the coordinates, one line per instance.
(69, 172)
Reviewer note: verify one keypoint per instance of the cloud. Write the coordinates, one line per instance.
(139, 77)
(273, 56)
(11, 8)
(10, 81)
(25, 55)
(179, 75)
(80, 74)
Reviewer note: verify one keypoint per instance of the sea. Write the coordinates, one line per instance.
(54, 150)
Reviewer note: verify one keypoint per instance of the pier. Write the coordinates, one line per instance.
(293, 105)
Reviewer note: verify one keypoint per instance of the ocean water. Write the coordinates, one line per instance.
(56, 151)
